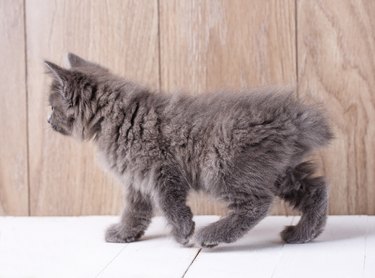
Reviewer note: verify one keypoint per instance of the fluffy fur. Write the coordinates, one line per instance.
(244, 148)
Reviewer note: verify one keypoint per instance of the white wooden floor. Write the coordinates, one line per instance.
(74, 247)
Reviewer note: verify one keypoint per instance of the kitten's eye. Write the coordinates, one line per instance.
(53, 108)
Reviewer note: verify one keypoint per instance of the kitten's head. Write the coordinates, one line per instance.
(73, 97)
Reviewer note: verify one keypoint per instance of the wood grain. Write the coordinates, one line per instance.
(336, 66)
(328, 49)
(13, 132)
(64, 176)
(210, 45)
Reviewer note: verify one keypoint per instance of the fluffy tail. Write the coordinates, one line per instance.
(313, 126)
(307, 194)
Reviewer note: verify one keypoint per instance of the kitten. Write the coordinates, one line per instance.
(243, 148)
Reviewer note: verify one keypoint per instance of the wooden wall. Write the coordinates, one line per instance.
(323, 48)
(13, 110)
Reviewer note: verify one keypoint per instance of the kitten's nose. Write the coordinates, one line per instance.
(49, 118)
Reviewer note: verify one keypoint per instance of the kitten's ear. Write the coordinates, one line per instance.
(76, 61)
(59, 73)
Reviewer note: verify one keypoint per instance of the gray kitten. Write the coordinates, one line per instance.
(243, 148)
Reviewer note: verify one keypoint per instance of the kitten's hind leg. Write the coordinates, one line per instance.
(135, 219)
(172, 191)
(245, 214)
(308, 195)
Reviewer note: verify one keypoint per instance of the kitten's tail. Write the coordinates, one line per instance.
(307, 194)
(314, 128)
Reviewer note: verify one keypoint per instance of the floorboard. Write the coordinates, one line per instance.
(75, 247)
(369, 264)
(157, 255)
(338, 252)
(257, 254)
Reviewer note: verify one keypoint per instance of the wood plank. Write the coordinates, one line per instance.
(65, 178)
(215, 45)
(336, 66)
(257, 253)
(55, 246)
(157, 255)
(338, 252)
(13, 135)
(75, 247)
(369, 266)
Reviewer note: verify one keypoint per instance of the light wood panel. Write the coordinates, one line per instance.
(336, 66)
(209, 45)
(13, 133)
(64, 176)
(204, 45)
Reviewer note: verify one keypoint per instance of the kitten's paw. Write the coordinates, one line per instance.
(184, 234)
(205, 239)
(116, 233)
(293, 234)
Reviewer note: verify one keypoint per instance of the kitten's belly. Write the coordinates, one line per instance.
(130, 177)
(143, 183)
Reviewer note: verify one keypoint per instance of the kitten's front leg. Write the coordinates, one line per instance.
(134, 220)
(172, 191)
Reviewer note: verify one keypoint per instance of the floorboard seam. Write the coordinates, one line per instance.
(281, 252)
(365, 251)
(187, 269)
(111, 261)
